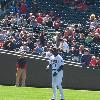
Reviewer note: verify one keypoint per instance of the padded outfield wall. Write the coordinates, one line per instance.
(37, 76)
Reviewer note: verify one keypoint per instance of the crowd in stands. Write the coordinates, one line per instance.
(26, 29)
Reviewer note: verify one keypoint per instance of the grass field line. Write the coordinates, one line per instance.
(33, 93)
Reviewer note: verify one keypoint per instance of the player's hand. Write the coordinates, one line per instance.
(55, 73)
(47, 67)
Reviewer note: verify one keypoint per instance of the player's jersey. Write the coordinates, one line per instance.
(56, 62)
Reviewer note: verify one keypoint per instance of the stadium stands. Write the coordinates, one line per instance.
(68, 15)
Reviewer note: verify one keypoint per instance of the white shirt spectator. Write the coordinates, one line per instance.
(64, 46)
(24, 48)
(48, 54)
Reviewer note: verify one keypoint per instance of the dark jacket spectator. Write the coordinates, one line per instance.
(86, 58)
(96, 38)
(98, 62)
(9, 45)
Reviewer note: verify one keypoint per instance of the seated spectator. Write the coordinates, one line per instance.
(88, 39)
(23, 8)
(81, 52)
(98, 23)
(75, 54)
(81, 6)
(24, 48)
(93, 62)
(42, 38)
(98, 30)
(81, 39)
(93, 21)
(39, 19)
(9, 44)
(64, 48)
(86, 58)
(96, 38)
(49, 53)
(57, 38)
(38, 50)
(31, 42)
(49, 23)
(57, 24)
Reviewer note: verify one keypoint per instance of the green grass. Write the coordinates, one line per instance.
(30, 93)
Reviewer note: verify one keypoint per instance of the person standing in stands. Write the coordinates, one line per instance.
(86, 58)
(21, 68)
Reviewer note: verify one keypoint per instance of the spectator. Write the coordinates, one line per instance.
(39, 19)
(93, 62)
(42, 38)
(93, 21)
(81, 39)
(75, 54)
(23, 9)
(24, 48)
(57, 24)
(64, 48)
(49, 53)
(57, 38)
(38, 50)
(21, 68)
(86, 58)
(96, 38)
(88, 39)
(9, 44)
(81, 52)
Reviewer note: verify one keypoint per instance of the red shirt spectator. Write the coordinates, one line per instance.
(82, 6)
(23, 8)
(93, 62)
(40, 19)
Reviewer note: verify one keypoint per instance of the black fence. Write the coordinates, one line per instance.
(75, 77)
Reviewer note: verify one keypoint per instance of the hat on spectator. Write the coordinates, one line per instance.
(86, 50)
(57, 32)
(30, 14)
(93, 57)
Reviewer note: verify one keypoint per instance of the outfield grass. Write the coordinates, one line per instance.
(30, 93)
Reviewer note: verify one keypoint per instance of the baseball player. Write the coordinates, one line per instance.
(56, 63)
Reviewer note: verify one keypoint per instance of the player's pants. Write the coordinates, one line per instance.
(56, 82)
(21, 73)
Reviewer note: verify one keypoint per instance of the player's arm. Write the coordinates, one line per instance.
(50, 64)
(62, 65)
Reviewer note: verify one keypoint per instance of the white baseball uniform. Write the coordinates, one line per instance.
(56, 62)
